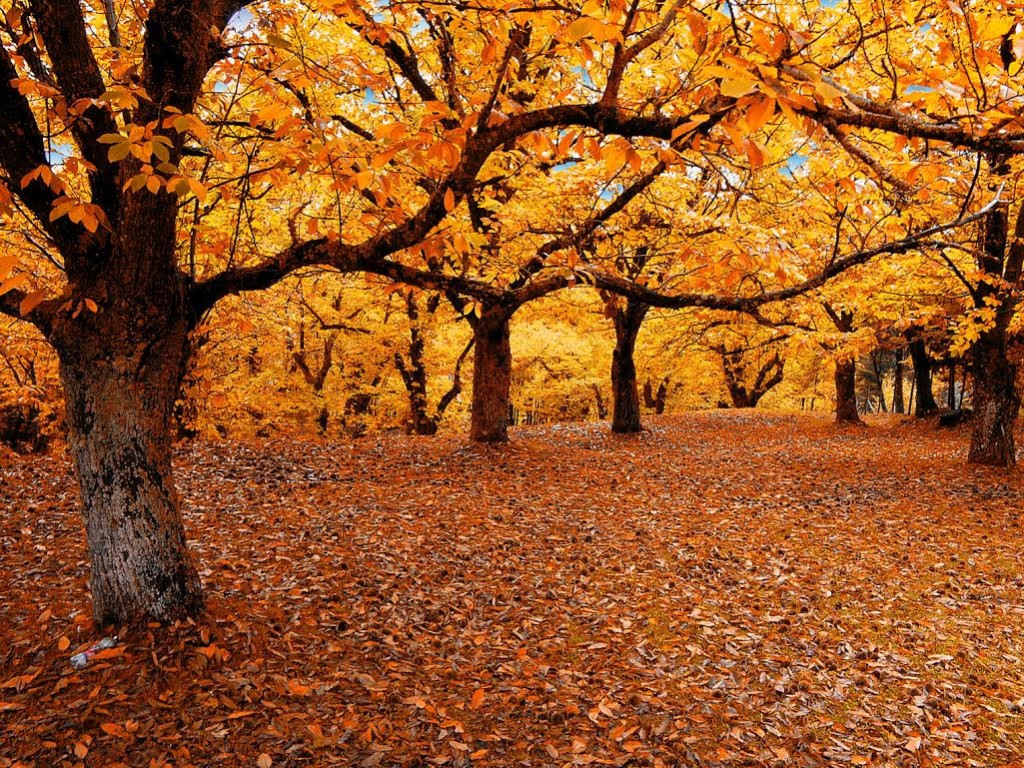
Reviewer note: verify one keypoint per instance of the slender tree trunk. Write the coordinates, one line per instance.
(846, 392)
(656, 400)
(602, 408)
(996, 402)
(120, 383)
(879, 379)
(897, 387)
(625, 394)
(951, 388)
(492, 375)
(414, 374)
(925, 405)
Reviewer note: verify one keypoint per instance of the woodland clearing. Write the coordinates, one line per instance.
(723, 589)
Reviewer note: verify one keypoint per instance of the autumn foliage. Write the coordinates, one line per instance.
(720, 590)
(312, 222)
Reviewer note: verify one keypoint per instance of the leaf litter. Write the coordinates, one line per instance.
(724, 589)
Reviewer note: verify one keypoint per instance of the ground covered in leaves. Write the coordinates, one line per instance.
(723, 590)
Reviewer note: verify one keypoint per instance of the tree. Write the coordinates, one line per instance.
(120, 323)
(846, 369)
(745, 390)
(200, 155)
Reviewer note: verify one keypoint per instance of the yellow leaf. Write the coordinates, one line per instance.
(584, 27)
(119, 151)
(198, 190)
(686, 127)
(364, 179)
(738, 88)
(449, 200)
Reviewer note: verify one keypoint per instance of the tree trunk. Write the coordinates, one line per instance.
(897, 387)
(741, 398)
(492, 375)
(656, 401)
(879, 379)
(602, 408)
(120, 383)
(951, 388)
(846, 392)
(925, 405)
(625, 394)
(414, 373)
(996, 402)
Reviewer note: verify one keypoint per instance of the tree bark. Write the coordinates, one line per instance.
(925, 405)
(121, 379)
(414, 374)
(898, 405)
(625, 394)
(492, 375)
(996, 398)
(996, 403)
(846, 392)
(656, 400)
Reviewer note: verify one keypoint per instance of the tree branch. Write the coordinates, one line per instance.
(78, 76)
(371, 254)
(22, 151)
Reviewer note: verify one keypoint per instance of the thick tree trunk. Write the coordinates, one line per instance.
(120, 390)
(996, 403)
(996, 399)
(492, 376)
(741, 398)
(846, 392)
(625, 394)
(925, 405)
(897, 387)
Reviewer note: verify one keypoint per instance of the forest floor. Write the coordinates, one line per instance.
(724, 589)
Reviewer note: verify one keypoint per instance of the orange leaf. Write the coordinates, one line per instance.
(478, 699)
(114, 730)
